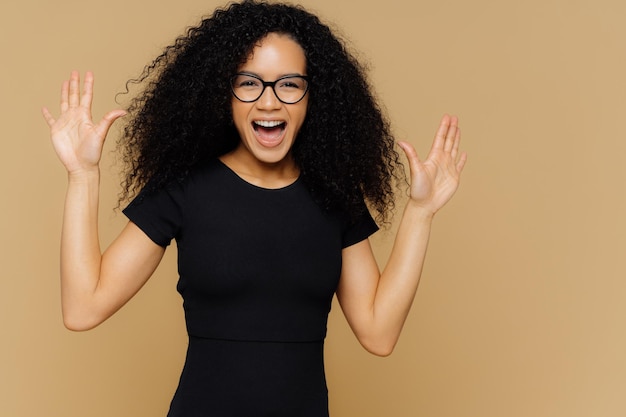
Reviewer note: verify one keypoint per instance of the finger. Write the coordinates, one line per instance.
(455, 146)
(86, 98)
(74, 89)
(65, 94)
(440, 136)
(411, 155)
(451, 134)
(47, 116)
(461, 164)
(409, 150)
(107, 121)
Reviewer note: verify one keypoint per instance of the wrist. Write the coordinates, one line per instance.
(419, 212)
(84, 175)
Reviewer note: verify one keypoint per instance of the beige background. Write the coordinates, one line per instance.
(521, 310)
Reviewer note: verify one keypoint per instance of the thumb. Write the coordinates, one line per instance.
(411, 154)
(107, 121)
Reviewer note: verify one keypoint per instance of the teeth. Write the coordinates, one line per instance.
(268, 123)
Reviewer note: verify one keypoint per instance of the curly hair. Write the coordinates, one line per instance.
(183, 116)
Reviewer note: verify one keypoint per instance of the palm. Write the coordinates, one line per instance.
(77, 140)
(434, 181)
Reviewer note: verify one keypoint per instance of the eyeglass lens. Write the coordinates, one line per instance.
(288, 89)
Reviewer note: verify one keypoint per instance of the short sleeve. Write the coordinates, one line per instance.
(360, 230)
(158, 214)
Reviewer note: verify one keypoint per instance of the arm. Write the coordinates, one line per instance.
(377, 304)
(93, 285)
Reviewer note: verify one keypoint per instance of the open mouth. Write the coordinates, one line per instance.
(269, 132)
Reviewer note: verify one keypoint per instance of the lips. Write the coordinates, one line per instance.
(269, 133)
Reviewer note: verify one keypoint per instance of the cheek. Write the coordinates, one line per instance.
(303, 116)
(300, 113)
(238, 113)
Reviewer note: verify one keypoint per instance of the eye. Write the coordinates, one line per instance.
(296, 83)
(245, 81)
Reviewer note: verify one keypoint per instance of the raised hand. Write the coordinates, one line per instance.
(434, 181)
(77, 140)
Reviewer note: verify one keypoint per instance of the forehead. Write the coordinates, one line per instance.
(276, 55)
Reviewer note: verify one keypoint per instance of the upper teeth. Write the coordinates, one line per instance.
(268, 123)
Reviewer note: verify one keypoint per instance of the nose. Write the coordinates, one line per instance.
(268, 100)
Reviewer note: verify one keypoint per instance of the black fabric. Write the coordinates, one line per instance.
(242, 379)
(258, 269)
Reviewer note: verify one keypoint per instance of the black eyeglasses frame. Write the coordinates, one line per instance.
(271, 84)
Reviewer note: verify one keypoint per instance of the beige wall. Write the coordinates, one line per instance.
(521, 310)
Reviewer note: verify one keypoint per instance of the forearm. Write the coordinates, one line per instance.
(376, 305)
(400, 278)
(80, 247)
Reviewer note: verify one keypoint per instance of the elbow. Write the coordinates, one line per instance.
(77, 325)
(81, 314)
(379, 347)
(79, 322)
(382, 352)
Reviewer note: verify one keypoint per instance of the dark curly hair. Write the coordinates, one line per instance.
(344, 149)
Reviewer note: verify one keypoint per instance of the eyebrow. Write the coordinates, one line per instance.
(294, 74)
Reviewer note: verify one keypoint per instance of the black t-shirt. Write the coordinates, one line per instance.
(255, 264)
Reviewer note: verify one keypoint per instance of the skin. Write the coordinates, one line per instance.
(376, 304)
(269, 165)
(95, 284)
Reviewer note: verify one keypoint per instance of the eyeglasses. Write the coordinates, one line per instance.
(289, 90)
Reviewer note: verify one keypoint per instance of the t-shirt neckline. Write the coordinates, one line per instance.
(258, 187)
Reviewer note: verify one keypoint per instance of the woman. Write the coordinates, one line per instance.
(256, 144)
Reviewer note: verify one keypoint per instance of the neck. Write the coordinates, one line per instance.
(262, 174)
